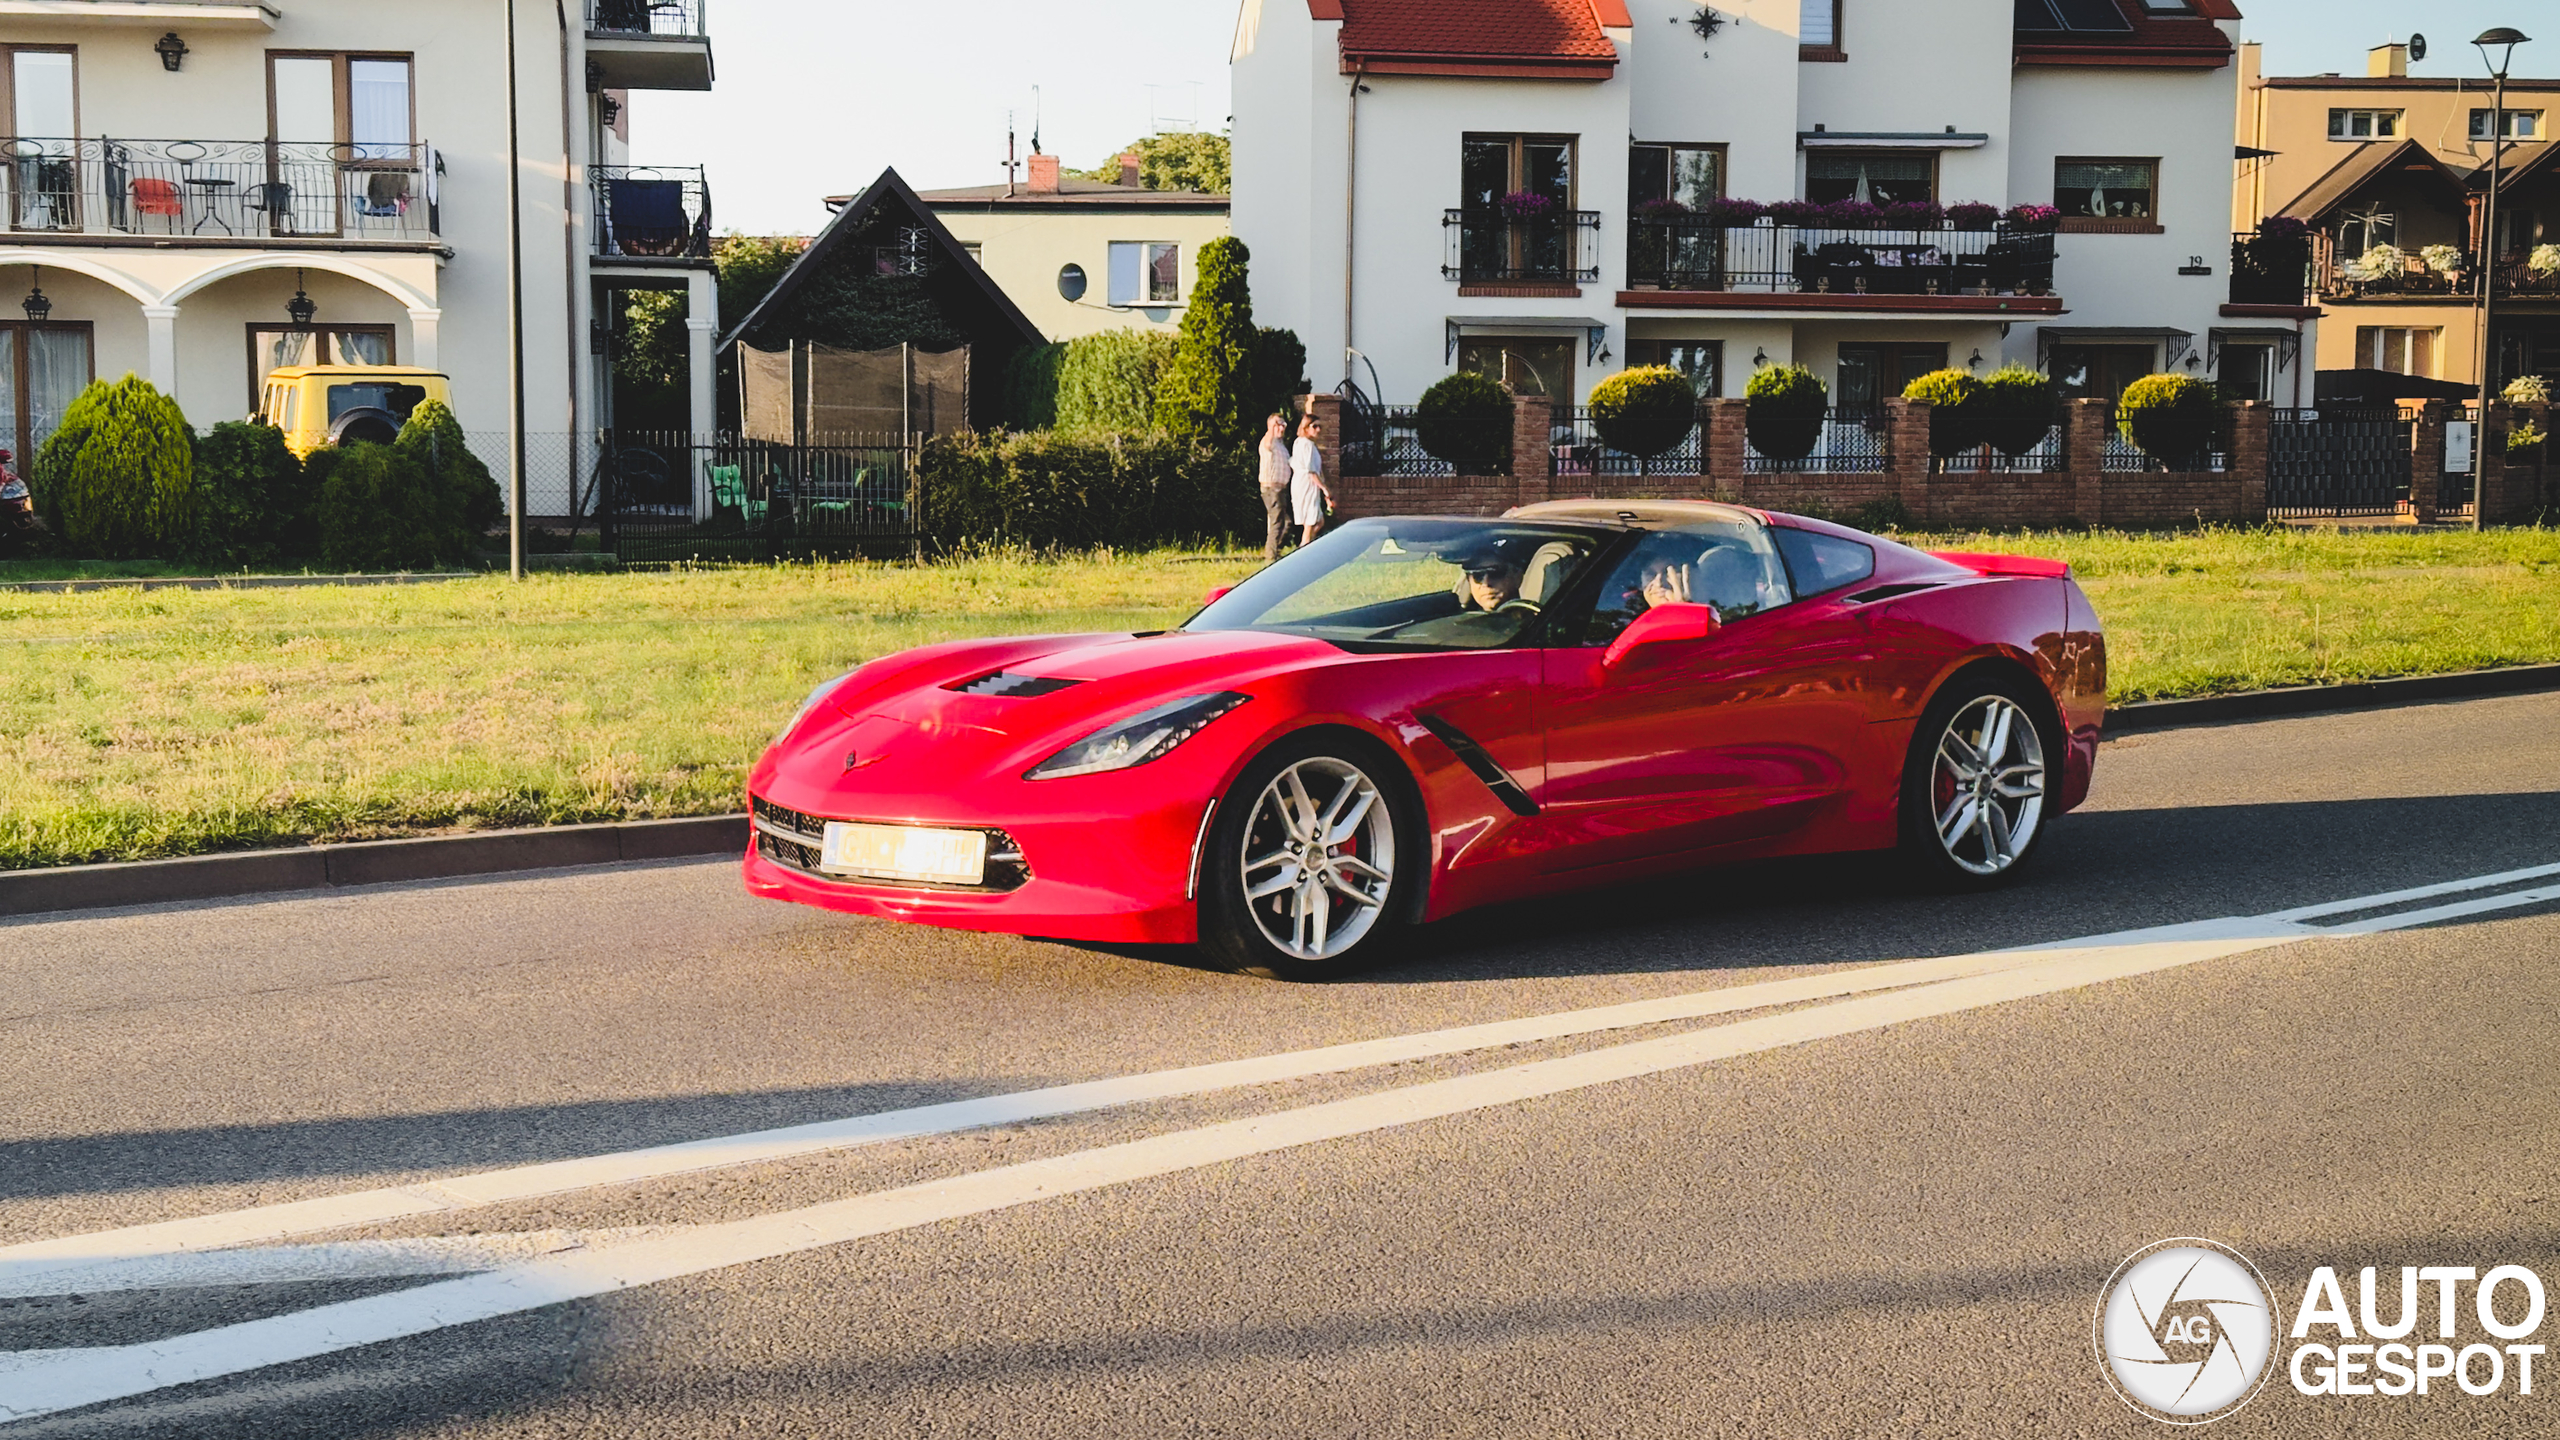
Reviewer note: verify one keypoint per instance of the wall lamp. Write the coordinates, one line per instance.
(172, 50)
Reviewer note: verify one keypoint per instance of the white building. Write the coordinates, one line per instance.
(182, 178)
(1529, 187)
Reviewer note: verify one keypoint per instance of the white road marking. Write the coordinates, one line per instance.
(2456, 911)
(2422, 892)
(339, 1260)
(119, 1372)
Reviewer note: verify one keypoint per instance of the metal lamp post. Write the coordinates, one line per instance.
(2504, 41)
(515, 316)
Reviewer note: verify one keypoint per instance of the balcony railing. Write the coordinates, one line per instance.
(1690, 252)
(1490, 246)
(251, 190)
(650, 212)
(678, 19)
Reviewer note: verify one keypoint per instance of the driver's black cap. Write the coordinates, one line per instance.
(1492, 551)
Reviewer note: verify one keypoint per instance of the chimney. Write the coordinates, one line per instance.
(2389, 62)
(1129, 170)
(1044, 174)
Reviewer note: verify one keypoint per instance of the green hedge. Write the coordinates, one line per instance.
(254, 503)
(380, 511)
(117, 480)
(1076, 490)
(1108, 382)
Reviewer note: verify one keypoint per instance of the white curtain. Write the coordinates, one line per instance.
(360, 347)
(378, 106)
(57, 371)
(9, 437)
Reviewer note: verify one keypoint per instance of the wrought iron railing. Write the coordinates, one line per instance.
(259, 189)
(2389, 271)
(658, 497)
(1579, 444)
(1845, 442)
(681, 19)
(1488, 245)
(651, 212)
(2045, 457)
(1387, 440)
(2270, 272)
(2122, 457)
(1691, 252)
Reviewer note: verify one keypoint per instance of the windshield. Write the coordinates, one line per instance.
(398, 397)
(1427, 584)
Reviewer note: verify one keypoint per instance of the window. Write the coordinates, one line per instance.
(1701, 362)
(359, 101)
(42, 92)
(1689, 174)
(2105, 189)
(2088, 15)
(2360, 231)
(1819, 30)
(272, 347)
(2364, 124)
(1880, 176)
(2101, 372)
(2247, 372)
(2520, 124)
(1145, 272)
(39, 98)
(1870, 375)
(1821, 564)
(1530, 366)
(1493, 166)
(42, 369)
(1731, 565)
(2400, 351)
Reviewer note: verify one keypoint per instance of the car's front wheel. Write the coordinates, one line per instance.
(1311, 862)
(1973, 787)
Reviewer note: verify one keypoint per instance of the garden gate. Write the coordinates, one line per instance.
(2338, 461)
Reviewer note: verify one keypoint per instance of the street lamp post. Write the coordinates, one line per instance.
(515, 316)
(2503, 40)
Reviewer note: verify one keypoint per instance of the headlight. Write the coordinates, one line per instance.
(808, 705)
(1138, 739)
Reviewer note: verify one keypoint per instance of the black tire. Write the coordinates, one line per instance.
(1241, 938)
(1985, 852)
(366, 423)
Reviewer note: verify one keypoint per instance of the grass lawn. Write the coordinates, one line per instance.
(173, 722)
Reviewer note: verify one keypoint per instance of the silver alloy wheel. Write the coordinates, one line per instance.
(1319, 857)
(1986, 790)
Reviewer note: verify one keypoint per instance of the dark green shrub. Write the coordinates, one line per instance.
(1954, 417)
(2018, 408)
(1644, 411)
(2172, 417)
(1279, 373)
(1031, 387)
(1072, 490)
(956, 487)
(1783, 411)
(1109, 381)
(1466, 420)
(253, 502)
(1880, 515)
(468, 496)
(1206, 394)
(380, 510)
(119, 476)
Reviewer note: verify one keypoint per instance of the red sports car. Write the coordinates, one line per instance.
(1415, 716)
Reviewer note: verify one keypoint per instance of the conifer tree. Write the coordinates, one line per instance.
(120, 473)
(1209, 387)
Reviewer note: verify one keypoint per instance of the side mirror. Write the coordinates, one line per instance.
(1214, 596)
(1663, 625)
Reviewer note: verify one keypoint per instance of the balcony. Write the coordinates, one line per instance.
(2431, 275)
(2272, 272)
(1695, 256)
(1554, 252)
(650, 215)
(647, 45)
(219, 192)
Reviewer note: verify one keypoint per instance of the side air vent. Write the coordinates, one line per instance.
(1011, 686)
(1887, 592)
(1487, 769)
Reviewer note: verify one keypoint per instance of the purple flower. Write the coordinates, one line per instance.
(1916, 214)
(1527, 204)
(1735, 214)
(2034, 217)
(1661, 209)
(1796, 212)
(1973, 215)
(2283, 229)
(1853, 214)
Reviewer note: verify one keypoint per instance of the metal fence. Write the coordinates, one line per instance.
(1691, 252)
(1848, 442)
(1386, 440)
(672, 497)
(680, 18)
(2123, 457)
(267, 188)
(1488, 245)
(1580, 445)
(650, 211)
(2339, 460)
(2045, 457)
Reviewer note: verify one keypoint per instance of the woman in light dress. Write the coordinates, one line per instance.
(1309, 496)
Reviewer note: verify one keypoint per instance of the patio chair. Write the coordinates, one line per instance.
(646, 216)
(159, 197)
(729, 492)
(386, 194)
(274, 200)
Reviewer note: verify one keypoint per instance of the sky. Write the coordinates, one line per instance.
(816, 97)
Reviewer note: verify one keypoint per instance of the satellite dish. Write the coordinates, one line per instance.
(2417, 47)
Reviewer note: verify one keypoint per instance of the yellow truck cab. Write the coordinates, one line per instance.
(322, 405)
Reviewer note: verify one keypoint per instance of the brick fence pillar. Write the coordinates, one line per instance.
(1532, 463)
(1727, 447)
(2426, 461)
(2540, 495)
(2084, 457)
(1327, 410)
(2251, 427)
(1907, 454)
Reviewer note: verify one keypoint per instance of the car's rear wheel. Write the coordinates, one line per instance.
(1311, 862)
(1973, 787)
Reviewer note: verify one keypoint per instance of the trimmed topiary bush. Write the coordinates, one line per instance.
(252, 503)
(2017, 408)
(1644, 411)
(1109, 381)
(2171, 417)
(468, 497)
(1954, 417)
(1206, 392)
(1783, 411)
(119, 476)
(1466, 420)
(379, 511)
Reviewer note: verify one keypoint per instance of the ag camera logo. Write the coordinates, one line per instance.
(2185, 1329)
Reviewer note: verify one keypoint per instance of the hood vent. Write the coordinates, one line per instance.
(1011, 686)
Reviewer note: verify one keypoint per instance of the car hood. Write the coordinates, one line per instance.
(1072, 683)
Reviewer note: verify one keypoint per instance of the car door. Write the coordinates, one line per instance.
(1748, 734)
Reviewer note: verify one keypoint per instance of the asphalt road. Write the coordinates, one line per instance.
(1897, 1229)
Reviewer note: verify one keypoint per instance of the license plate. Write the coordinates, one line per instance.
(904, 852)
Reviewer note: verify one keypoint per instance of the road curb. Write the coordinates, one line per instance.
(376, 862)
(223, 582)
(2318, 699)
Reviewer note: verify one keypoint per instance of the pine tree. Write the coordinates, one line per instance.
(121, 472)
(468, 499)
(1209, 387)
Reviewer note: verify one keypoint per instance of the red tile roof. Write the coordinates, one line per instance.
(1558, 39)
